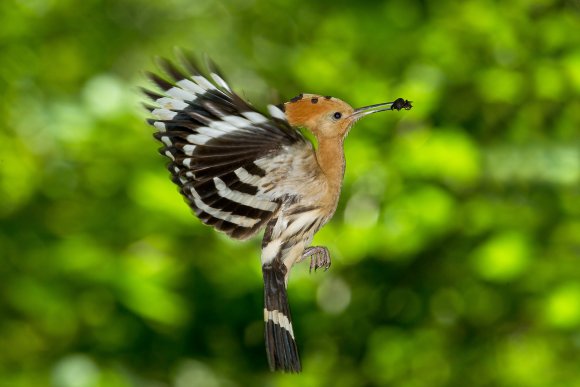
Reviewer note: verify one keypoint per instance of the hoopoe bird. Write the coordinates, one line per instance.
(242, 171)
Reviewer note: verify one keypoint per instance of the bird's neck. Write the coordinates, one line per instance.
(330, 157)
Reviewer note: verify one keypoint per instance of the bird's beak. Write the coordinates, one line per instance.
(397, 104)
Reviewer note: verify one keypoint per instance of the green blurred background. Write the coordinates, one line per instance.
(455, 247)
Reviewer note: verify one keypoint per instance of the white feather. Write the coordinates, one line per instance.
(188, 85)
(237, 121)
(198, 139)
(160, 126)
(168, 154)
(180, 94)
(276, 112)
(164, 114)
(210, 132)
(188, 150)
(242, 198)
(301, 221)
(223, 126)
(166, 141)
(219, 80)
(224, 215)
(203, 83)
(270, 251)
(246, 177)
(280, 319)
(171, 103)
(255, 117)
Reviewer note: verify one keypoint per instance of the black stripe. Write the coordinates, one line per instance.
(235, 208)
(299, 209)
(229, 178)
(160, 82)
(205, 189)
(180, 126)
(212, 161)
(201, 117)
(171, 69)
(269, 336)
(189, 62)
(149, 107)
(306, 229)
(287, 244)
(252, 213)
(220, 109)
(220, 224)
(235, 184)
(193, 107)
(219, 98)
(154, 96)
(212, 104)
(277, 133)
(268, 233)
(225, 226)
(212, 147)
(243, 232)
(254, 135)
(242, 187)
(232, 229)
(208, 172)
(253, 169)
(240, 104)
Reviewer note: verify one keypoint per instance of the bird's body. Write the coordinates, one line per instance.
(241, 171)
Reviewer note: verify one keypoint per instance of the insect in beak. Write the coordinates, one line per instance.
(397, 104)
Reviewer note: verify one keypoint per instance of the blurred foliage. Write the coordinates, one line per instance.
(456, 244)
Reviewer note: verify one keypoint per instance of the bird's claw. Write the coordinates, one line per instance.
(319, 257)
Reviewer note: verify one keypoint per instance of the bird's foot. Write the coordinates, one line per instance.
(319, 257)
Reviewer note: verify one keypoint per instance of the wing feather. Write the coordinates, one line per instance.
(213, 138)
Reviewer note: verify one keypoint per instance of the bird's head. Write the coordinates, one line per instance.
(328, 117)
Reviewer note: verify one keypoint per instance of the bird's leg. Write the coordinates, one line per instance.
(319, 257)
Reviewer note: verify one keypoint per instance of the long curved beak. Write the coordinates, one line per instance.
(397, 104)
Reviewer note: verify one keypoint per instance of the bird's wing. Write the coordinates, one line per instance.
(218, 145)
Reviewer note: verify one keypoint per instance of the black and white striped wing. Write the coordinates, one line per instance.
(213, 138)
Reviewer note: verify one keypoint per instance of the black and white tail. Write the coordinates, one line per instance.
(281, 347)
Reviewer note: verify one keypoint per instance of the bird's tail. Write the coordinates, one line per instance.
(280, 344)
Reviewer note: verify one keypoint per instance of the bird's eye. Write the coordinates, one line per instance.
(337, 115)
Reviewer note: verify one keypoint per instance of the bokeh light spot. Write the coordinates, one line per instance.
(502, 258)
(333, 295)
(562, 306)
(75, 371)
